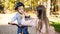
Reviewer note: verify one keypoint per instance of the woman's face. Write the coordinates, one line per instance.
(21, 9)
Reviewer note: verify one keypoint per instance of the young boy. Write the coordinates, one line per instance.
(19, 15)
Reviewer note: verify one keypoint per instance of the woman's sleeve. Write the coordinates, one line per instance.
(29, 22)
(24, 22)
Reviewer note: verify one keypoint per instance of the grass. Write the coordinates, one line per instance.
(56, 25)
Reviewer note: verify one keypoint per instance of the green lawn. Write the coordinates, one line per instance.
(56, 25)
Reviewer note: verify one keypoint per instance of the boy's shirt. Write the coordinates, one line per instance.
(17, 17)
(19, 20)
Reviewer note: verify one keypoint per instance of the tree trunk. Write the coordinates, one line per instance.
(48, 8)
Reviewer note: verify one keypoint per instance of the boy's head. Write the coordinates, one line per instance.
(19, 7)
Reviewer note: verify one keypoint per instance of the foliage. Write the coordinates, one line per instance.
(56, 25)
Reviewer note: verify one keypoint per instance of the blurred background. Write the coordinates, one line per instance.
(7, 12)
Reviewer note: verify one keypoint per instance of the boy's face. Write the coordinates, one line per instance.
(21, 9)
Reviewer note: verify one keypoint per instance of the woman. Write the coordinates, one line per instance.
(41, 22)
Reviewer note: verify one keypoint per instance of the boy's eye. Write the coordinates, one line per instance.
(19, 9)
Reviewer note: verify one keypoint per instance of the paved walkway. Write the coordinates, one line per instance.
(9, 29)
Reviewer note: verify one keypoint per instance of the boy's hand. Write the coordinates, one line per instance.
(23, 15)
(14, 24)
(11, 23)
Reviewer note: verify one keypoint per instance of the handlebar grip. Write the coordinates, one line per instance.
(8, 22)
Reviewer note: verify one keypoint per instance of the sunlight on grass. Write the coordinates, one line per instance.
(56, 25)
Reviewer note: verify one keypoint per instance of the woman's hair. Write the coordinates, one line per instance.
(18, 4)
(41, 14)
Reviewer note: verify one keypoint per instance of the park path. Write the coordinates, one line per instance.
(9, 29)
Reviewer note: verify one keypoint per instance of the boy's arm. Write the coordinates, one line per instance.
(13, 19)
